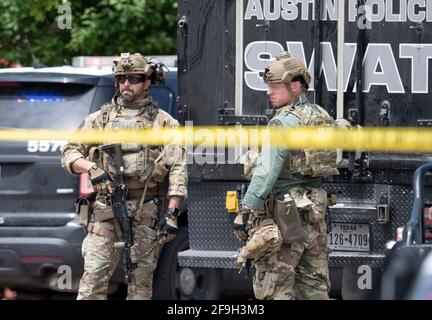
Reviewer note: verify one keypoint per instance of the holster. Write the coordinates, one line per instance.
(287, 219)
(269, 204)
(83, 208)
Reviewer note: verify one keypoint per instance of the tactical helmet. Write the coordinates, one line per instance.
(132, 64)
(137, 64)
(285, 69)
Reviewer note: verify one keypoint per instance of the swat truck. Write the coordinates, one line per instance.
(382, 49)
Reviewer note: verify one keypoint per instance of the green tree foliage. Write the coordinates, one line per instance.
(30, 32)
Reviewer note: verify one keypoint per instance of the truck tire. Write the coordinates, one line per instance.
(169, 279)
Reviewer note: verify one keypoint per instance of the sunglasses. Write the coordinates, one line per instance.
(131, 79)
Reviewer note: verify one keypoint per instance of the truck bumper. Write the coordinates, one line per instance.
(353, 276)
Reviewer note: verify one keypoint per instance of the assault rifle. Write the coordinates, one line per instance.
(119, 196)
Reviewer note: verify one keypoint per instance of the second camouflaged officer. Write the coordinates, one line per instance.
(144, 170)
(286, 202)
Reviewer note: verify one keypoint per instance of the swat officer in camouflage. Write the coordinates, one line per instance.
(144, 170)
(285, 203)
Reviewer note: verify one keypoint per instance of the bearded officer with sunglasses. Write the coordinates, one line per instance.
(145, 168)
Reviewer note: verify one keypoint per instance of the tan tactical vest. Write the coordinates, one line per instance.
(311, 162)
(142, 164)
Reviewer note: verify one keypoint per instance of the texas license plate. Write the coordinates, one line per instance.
(348, 237)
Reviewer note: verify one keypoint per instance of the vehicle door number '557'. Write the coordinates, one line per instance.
(45, 146)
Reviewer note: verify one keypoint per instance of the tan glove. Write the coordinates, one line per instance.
(168, 225)
(100, 179)
(241, 223)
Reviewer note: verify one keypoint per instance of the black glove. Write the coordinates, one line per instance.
(240, 223)
(168, 225)
(99, 178)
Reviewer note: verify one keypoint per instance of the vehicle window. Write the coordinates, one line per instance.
(164, 97)
(32, 105)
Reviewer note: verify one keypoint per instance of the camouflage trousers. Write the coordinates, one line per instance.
(298, 270)
(101, 258)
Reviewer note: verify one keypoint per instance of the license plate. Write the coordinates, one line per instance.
(348, 237)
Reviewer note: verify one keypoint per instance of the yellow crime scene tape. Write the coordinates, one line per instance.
(371, 138)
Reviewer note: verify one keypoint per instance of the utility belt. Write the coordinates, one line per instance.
(97, 208)
(110, 230)
(292, 210)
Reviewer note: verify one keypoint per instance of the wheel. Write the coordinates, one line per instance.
(172, 282)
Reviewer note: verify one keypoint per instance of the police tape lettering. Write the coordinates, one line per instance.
(372, 139)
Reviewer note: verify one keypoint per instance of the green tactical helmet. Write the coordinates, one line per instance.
(132, 64)
(286, 68)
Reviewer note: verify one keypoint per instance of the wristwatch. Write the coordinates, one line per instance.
(174, 211)
(94, 167)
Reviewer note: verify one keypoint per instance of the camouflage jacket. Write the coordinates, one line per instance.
(173, 156)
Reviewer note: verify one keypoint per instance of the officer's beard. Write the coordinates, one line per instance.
(128, 96)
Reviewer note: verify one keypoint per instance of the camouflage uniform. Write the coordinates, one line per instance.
(99, 251)
(250, 162)
(296, 269)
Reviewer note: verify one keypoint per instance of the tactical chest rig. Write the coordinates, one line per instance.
(144, 170)
(301, 163)
(310, 162)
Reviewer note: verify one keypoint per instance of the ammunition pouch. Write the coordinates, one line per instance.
(311, 203)
(131, 147)
(102, 210)
(138, 165)
(97, 217)
(83, 209)
(159, 173)
(287, 219)
(314, 163)
(108, 229)
(146, 214)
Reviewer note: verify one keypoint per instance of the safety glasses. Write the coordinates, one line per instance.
(131, 79)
